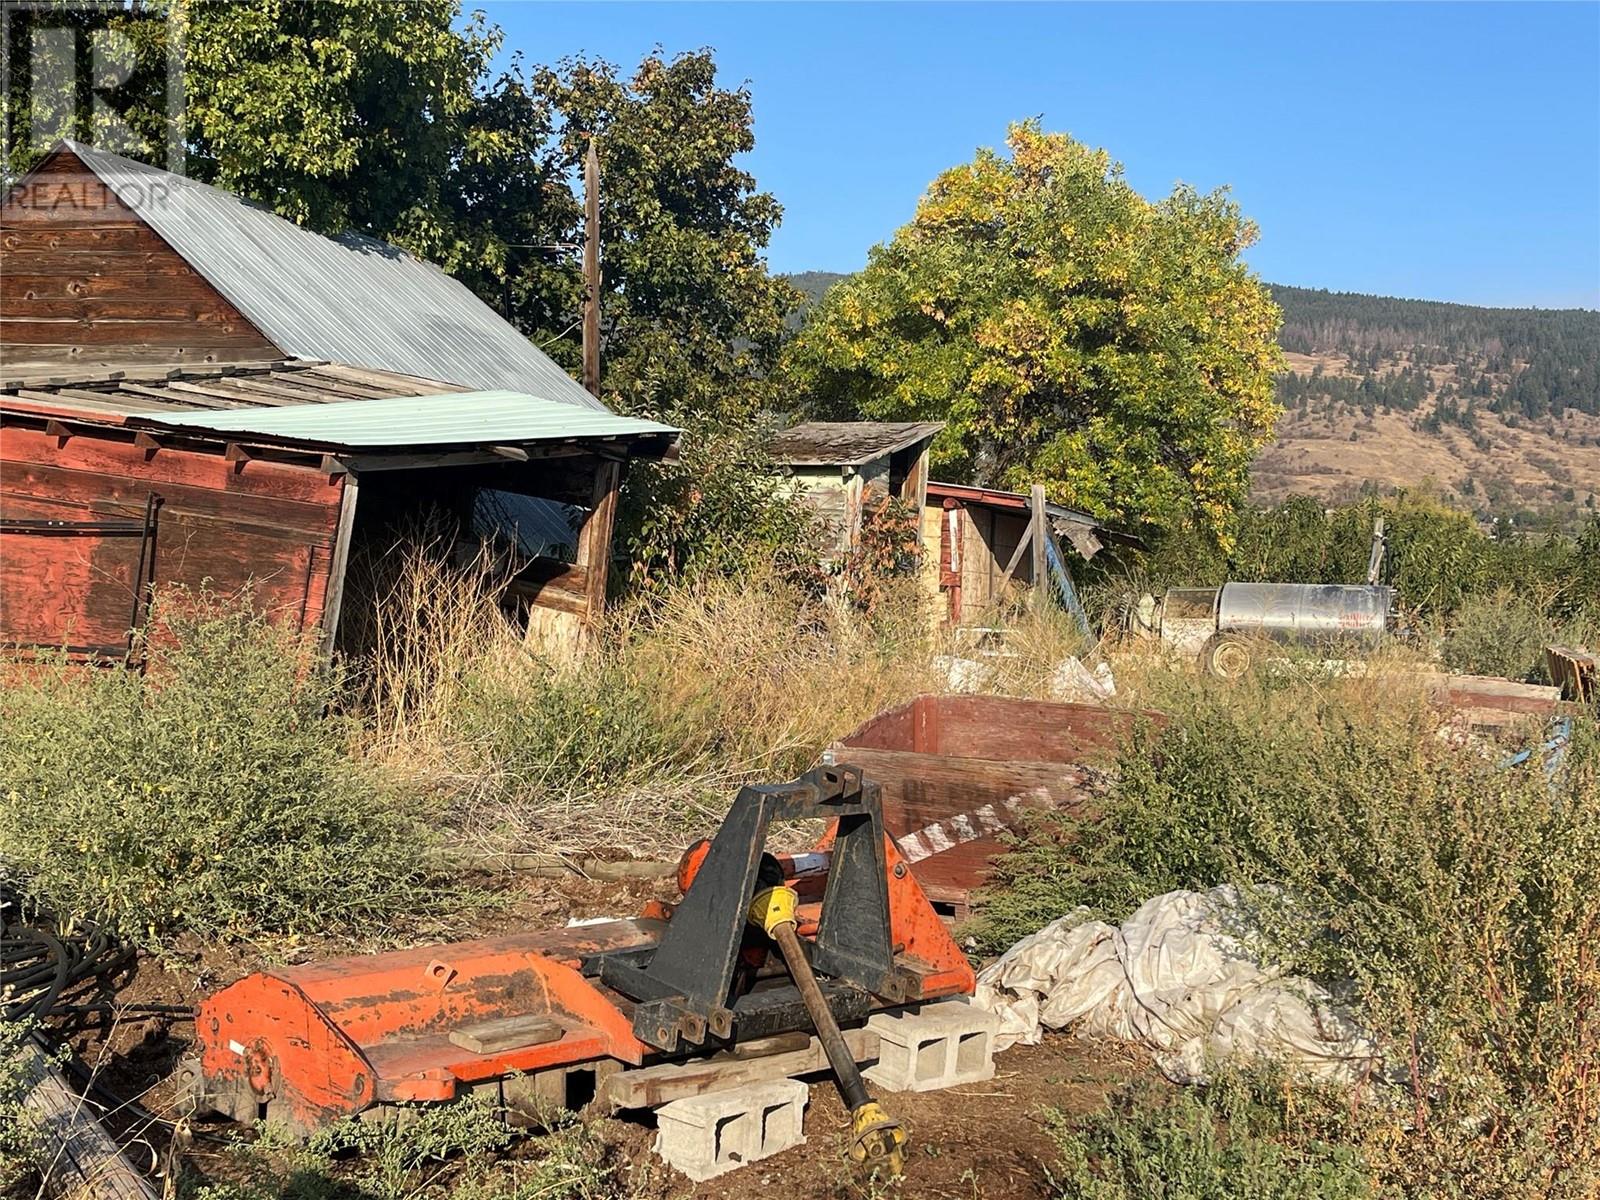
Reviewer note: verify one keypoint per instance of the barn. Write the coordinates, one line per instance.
(195, 391)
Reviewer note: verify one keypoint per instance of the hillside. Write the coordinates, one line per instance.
(1500, 407)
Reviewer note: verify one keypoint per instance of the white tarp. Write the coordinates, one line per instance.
(1173, 979)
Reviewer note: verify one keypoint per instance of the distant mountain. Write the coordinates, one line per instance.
(1498, 406)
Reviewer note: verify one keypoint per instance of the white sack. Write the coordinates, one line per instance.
(1171, 979)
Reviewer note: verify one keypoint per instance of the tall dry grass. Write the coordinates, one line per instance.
(638, 740)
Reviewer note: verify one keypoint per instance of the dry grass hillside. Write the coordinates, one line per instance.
(1503, 464)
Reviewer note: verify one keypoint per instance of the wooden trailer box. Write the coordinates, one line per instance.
(957, 771)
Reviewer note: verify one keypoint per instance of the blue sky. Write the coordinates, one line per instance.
(1446, 151)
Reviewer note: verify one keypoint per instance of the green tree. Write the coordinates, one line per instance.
(1069, 331)
(691, 320)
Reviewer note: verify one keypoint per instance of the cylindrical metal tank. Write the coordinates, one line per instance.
(1306, 611)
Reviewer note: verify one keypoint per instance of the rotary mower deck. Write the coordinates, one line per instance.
(545, 1018)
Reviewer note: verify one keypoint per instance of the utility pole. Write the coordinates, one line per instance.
(591, 271)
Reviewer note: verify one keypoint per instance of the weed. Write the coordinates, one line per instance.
(1232, 1140)
(456, 1150)
(19, 1146)
(215, 792)
(1461, 901)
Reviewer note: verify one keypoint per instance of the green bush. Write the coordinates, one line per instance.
(1229, 1141)
(1505, 633)
(563, 731)
(215, 792)
(455, 1150)
(1460, 900)
(19, 1145)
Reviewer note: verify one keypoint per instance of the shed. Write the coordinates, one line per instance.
(840, 465)
(983, 536)
(193, 389)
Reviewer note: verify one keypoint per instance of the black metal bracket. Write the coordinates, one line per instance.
(684, 989)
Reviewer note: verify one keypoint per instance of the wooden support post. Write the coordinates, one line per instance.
(594, 540)
(81, 1160)
(1039, 527)
(334, 602)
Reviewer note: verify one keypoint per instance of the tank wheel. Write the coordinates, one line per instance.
(1225, 656)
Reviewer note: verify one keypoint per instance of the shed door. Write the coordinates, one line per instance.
(72, 583)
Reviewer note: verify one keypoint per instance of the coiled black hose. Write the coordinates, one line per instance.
(39, 965)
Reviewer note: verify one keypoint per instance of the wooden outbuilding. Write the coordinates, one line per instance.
(840, 466)
(987, 540)
(193, 390)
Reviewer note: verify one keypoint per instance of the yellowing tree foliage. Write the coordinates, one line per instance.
(1068, 330)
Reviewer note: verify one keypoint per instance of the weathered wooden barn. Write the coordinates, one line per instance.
(839, 466)
(193, 390)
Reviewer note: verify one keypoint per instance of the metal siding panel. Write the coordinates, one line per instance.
(452, 419)
(352, 299)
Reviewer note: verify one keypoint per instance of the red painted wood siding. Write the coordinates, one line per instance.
(269, 525)
(84, 281)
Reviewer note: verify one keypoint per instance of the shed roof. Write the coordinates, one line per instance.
(351, 299)
(447, 419)
(311, 403)
(982, 497)
(847, 443)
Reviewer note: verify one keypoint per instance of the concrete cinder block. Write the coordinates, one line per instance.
(939, 1046)
(712, 1134)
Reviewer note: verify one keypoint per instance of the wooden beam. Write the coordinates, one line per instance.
(594, 539)
(1040, 528)
(80, 1157)
(650, 1087)
(334, 600)
(505, 1033)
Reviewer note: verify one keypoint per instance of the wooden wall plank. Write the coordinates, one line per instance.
(81, 274)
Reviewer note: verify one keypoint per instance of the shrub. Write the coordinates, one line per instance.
(215, 792)
(1229, 1141)
(1505, 633)
(1460, 901)
(445, 1150)
(719, 510)
(19, 1147)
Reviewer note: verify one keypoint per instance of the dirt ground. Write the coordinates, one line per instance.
(987, 1141)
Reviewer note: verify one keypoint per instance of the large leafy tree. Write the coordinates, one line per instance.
(692, 320)
(1068, 330)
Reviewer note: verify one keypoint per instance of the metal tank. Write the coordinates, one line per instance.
(1311, 612)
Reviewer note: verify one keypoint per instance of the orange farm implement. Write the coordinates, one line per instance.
(758, 945)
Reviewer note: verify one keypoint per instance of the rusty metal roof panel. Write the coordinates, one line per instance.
(450, 419)
(351, 299)
(982, 497)
(111, 393)
(846, 443)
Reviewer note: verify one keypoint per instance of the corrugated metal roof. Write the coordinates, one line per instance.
(846, 443)
(351, 299)
(451, 419)
(982, 497)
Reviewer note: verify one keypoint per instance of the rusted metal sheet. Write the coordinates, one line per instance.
(266, 524)
(957, 771)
